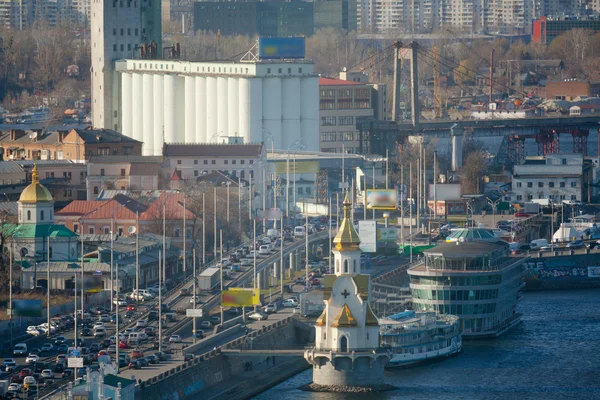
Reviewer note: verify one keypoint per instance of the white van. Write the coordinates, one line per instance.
(273, 233)
(264, 250)
(20, 349)
(144, 292)
(538, 244)
(299, 231)
(137, 337)
(513, 246)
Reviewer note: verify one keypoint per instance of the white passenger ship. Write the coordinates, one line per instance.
(416, 337)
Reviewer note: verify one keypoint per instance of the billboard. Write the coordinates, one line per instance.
(387, 235)
(281, 47)
(27, 308)
(301, 167)
(445, 191)
(240, 297)
(367, 231)
(381, 199)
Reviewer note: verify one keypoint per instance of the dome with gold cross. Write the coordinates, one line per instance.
(35, 192)
(347, 237)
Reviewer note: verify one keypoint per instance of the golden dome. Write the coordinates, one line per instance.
(347, 238)
(35, 192)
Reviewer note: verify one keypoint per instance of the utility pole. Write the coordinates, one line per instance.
(221, 240)
(137, 253)
(281, 257)
(435, 184)
(410, 204)
(194, 294)
(491, 98)
(185, 236)
(402, 194)
(254, 255)
(203, 232)
(48, 285)
(414, 84)
(397, 82)
(117, 319)
(215, 222)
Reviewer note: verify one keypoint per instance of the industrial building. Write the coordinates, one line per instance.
(159, 101)
(545, 30)
(342, 103)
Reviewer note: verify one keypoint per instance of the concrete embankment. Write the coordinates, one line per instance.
(204, 375)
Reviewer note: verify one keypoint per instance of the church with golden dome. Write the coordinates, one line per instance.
(346, 351)
(36, 225)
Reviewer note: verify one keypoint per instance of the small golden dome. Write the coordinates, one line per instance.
(347, 238)
(35, 192)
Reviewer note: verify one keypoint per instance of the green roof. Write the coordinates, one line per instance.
(30, 231)
(114, 380)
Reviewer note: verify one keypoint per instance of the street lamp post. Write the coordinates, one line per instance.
(221, 240)
(194, 294)
(493, 204)
(159, 302)
(118, 340)
(48, 284)
(386, 216)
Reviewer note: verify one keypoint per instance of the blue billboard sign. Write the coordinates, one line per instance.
(281, 47)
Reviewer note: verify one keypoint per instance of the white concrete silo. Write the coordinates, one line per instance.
(272, 111)
(147, 118)
(291, 112)
(200, 109)
(158, 114)
(190, 109)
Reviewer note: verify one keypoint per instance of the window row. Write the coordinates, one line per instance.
(339, 136)
(213, 162)
(280, 70)
(550, 196)
(425, 294)
(457, 309)
(135, 32)
(551, 184)
(456, 281)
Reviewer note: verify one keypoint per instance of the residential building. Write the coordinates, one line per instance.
(126, 215)
(555, 176)
(262, 18)
(64, 179)
(123, 172)
(569, 90)
(479, 281)
(75, 145)
(192, 161)
(342, 103)
(23, 14)
(336, 14)
(545, 29)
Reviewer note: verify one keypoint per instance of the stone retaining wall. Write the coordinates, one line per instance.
(213, 367)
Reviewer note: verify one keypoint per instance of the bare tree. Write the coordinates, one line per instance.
(472, 172)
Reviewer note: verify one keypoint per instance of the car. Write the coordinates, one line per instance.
(153, 315)
(39, 366)
(32, 389)
(86, 332)
(62, 348)
(235, 311)
(135, 364)
(175, 339)
(142, 323)
(14, 387)
(289, 303)
(113, 318)
(137, 354)
(47, 347)
(185, 292)
(25, 372)
(47, 374)
(198, 299)
(32, 358)
(161, 356)
(9, 366)
(105, 343)
(33, 331)
(100, 332)
(119, 302)
(61, 359)
(188, 357)
(112, 348)
(144, 361)
(8, 361)
(104, 318)
(258, 316)
(123, 344)
(205, 324)
(95, 347)
(152, 359)
(215, 319)
(150, 331)
(576, 244)
(131, 307)
(270, 308)
(98, 324)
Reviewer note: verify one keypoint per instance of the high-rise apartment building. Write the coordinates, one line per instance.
(418, 16)
(22, 14)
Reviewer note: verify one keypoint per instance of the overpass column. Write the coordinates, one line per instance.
(457, 134)
(291, 266)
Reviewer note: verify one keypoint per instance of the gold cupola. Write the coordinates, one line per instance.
(347, 237)
(35, 192)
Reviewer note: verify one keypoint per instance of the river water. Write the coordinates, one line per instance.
(553, 354)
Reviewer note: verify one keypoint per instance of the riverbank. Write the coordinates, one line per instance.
(263, 376)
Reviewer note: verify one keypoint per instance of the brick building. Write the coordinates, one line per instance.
(568, 90)
(76, 145)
